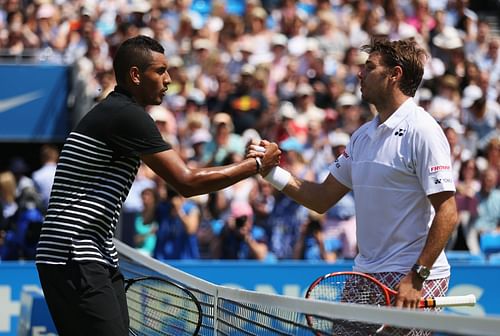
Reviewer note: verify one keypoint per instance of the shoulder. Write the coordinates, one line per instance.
(495, 194)
(493, 107)
(421, 123)
(112, 109)
(362, 130)
(117, 100)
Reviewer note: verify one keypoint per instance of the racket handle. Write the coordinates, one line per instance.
(449, 301)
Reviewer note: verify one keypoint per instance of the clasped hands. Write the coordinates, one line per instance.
(270, 157)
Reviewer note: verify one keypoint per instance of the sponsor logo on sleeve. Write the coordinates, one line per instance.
(337, 161)
(435, 169)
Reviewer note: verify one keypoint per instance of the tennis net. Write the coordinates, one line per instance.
(230, 311)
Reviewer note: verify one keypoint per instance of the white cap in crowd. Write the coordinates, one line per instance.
(338, 138)
(347, 99)
(304, 89)
(448, 39)
(287, 110)
(471, 94)
(201, 135)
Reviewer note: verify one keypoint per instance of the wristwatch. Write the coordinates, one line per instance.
(422, 271)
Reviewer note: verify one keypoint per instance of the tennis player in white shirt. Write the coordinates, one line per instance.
(399, 167)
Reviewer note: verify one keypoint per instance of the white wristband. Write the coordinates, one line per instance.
(278, 177)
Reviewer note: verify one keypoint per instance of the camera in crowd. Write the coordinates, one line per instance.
(239, 222)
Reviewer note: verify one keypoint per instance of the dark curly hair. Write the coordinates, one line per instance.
(404, 53)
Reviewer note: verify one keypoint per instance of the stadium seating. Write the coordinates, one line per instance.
(494, 259)
(489, 242)
(462, 257)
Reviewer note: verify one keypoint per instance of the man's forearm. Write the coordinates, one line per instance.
(207, 180)
(442, 227)
(315, 196)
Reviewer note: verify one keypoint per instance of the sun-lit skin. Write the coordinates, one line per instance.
(373, 79)
(380, 86)
(152, 83)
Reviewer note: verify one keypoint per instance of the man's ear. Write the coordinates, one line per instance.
(135, 75)
(397, 73)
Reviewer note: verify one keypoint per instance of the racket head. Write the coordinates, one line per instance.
(158, 306)
(346, 287)
(350, 287)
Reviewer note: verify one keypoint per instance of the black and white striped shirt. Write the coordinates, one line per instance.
(96, 168)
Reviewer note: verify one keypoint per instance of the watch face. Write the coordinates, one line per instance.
(424, 272)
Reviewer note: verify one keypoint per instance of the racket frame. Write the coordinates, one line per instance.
(129, 282)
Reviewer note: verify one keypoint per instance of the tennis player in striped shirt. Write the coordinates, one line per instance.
(76, 259)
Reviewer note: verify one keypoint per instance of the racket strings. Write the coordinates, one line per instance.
(347, 288)
(159, 308)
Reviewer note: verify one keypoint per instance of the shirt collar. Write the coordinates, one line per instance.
(400, 114)
(121, 90)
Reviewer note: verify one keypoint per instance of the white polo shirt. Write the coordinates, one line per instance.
(392, 168)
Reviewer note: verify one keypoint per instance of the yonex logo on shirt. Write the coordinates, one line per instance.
(442, 180)
(400, 132)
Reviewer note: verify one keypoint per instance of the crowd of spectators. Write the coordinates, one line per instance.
(283, 70)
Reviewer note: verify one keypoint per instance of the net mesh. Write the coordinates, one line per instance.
(229, 311)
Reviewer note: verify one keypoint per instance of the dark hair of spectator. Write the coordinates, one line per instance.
(404, 53)
(465, 164)
(134, 52)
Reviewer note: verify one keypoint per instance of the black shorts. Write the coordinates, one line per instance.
(86, 298)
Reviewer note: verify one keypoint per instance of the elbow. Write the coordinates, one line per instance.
(321, 208)
(185, 187)
(186, 192)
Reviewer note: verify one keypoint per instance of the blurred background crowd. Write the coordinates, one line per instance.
(282, 70)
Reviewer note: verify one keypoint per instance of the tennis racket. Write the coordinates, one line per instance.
(360, 288)
(158, 306)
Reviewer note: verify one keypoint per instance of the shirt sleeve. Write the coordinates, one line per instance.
(342, 166)
(433, 161)
(134, 132)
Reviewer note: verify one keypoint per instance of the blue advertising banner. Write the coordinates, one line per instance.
(14, 278)
(293, 278)
(33, 103)
(285, 278)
